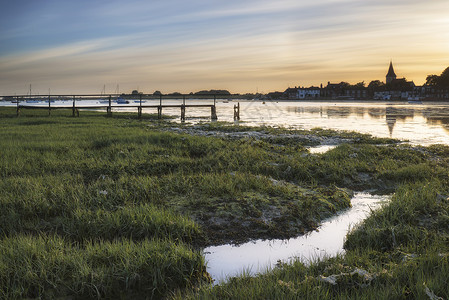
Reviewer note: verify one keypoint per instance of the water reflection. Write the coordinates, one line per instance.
(254, 257)
(419, 123)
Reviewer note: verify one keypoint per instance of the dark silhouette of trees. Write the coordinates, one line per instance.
(432, 80)
(344, 85)
(375, 85)
(360, 84)
(444, 78)
(441, 81)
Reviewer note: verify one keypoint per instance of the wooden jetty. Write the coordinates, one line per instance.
(109, 105)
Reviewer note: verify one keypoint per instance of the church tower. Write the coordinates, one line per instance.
(390, 75)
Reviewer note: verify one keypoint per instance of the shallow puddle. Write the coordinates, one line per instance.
(226, 261)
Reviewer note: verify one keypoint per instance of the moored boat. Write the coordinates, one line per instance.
(121, 100)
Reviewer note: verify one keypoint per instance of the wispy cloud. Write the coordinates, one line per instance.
(179, 45)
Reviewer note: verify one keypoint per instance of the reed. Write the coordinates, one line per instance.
(48, 266)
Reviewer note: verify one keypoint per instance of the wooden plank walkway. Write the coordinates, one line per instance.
(75, 108)
(25, 102)
(110, 105)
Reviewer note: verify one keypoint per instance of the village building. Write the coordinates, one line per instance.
(331, 91)
(291, 93)
(396, 88)
(391, 75)
(308, 93)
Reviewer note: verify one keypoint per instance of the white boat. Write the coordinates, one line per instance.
(121, 100)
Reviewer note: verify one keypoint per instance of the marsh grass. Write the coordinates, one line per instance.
(124, 186)
(48, 266)
(399, 252)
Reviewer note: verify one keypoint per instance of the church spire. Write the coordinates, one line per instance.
(390, 75)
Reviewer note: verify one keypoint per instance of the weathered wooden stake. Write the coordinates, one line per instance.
(49, 105)
(213, 113)
(237, 111)
(183, 112)
(139, 109)
(159, 109)
(18, 107)
(73, 107)
(109, 108)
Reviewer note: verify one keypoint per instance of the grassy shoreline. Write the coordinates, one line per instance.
(88, 204)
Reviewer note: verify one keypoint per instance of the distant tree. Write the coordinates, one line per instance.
(213, 92)
(441, 81)
(157, 93)
(444, 78)
(248, 96)
(375, 84)
(344, 84)
(432, 80)
(360, 84)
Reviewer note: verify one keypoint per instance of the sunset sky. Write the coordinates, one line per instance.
(238, 45)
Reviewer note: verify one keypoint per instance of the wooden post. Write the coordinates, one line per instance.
(139, 112)
(109, 108)
(139, 109)
(237, 111)
(73, 107)
(213, 110)
(159, 109)
(213, 113)
(49, 105)
(159, 112)
(18, 107)
(183, 113)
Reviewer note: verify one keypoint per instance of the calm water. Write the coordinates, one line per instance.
(257, 256)
(423, 124)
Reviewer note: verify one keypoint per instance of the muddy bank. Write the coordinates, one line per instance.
(258, 216)
(314, 137)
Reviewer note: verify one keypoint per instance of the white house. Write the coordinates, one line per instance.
(308, 93)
